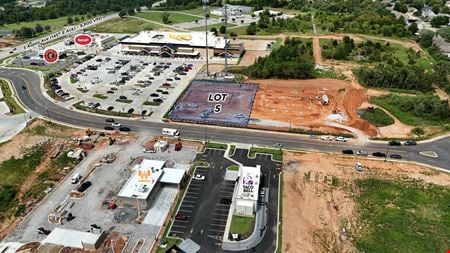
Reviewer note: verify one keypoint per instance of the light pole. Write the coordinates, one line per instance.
(226, 42)
(205, 7)
(387, 152)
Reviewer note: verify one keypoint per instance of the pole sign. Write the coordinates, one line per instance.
(50, 56)
(83, 39)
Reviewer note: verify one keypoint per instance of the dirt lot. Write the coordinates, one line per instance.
(7, 43)
(317, 213)
(294, 102)
(250, 57)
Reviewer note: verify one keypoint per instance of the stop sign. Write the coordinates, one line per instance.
(83, 39)
(50, 56)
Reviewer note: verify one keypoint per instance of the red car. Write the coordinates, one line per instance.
(180, 217)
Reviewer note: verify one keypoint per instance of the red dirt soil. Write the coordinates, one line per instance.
(294, 102)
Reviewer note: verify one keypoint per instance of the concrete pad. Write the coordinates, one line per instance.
(161, 207)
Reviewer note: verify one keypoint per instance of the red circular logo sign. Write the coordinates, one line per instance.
(83, 39)
(51, 56)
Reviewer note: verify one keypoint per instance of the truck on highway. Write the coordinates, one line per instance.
(170, 132)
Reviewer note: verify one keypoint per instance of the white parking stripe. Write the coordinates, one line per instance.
(186, 205)
(173, 225)
(174, 231)
(185, 210)
(189, 201)
(217, 225)
(218, 214)
(215, 230)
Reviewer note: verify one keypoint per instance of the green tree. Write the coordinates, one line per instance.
(76, 19)
(252, 29)
(439, 21)
(38, 28)
(165, 17)
(69, 20)
(222, 29)
(426, 38)
(131, 11)
(122, 13)
(413, 28)
(214, 30)
(400, 7)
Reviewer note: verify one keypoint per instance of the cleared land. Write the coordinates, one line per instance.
(175, 18)
(124, 25)
(294, 104)
(328, 206)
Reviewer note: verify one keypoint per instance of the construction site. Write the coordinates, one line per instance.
(322, 105)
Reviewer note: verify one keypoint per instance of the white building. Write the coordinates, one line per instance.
(248, 190)
(147, 177)
(75, 239)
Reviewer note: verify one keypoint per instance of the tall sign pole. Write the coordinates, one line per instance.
(226, 42)
(205, 7)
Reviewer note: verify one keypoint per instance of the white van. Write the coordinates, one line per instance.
(75, 178)
(170, 132)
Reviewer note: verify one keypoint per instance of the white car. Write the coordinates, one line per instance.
(358, 166)
(340, 138)
(326, 138)
(362, 153)
(199, 177)
(115, 124)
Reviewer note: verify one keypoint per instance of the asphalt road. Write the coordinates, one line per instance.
(33, 99)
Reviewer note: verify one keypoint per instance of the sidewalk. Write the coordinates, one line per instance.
(12, 125)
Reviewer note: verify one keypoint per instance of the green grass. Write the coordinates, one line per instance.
(216, 145)
(14, 107)
(82, 90)
(423, 61)
(217, 26)
(80, 106)
(277, 154)
(405, 117)
(233, 167)
(402, 217)
(153, 103)
(232, 149)
(126, 101)
(124, 25)
(12, 173)
(100, 96)
(277, 44)
(54, 23)
(240, 30)
(175, 18)
(377, 117)
(242, 225)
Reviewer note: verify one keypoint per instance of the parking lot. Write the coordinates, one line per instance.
(139, 85)
(203, 205)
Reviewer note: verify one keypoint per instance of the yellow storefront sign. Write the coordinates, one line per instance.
(183, 36)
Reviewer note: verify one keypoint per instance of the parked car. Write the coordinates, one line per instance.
(154, 95)
(110, 108)
(114, 88)
(123, 97)
(358, 166)
(110, 92)
(410, 143)
(394, 143)
(83, 187)
(199, 177)
(396, 156)
(109, 128)
(130, 111)
(110, 119)
(362, 153)
(312, 136)
(378, 154)
(180, 217)
(124, 129)
(347, 152)
(225, 201)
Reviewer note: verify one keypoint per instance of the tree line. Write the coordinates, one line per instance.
(292, 60)
(14, 13)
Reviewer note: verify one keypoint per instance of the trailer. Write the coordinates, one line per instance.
(170, 132)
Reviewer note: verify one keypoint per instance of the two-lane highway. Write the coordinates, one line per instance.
(27, 86)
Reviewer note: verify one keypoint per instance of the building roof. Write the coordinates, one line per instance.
(189, 246)
(71, 238)
(144, 178)
(193, 39)
(172, 176)
(249, 178)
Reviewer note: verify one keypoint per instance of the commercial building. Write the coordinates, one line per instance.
(232, 10)
(178, 44)
(147, 177)
(248, 190)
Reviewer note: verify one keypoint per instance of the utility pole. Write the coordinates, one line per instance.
(387, 152)
(205, 7)
(226, 42)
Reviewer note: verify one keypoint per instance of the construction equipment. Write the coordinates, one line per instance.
(178, 146)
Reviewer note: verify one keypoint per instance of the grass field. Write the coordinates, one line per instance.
(242, 225)
(126, 101)
(54, 23)
(378, 117)
(175, 18)
(124, 25)
(217, 26)
(8, 99)
(240, 30)
(403, 217)
(405, 117)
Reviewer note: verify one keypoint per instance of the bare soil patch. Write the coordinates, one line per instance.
(318, 197)
(251, 56)
(295, 102)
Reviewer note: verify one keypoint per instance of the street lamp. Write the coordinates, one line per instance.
(387, 152)
(205, 7)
